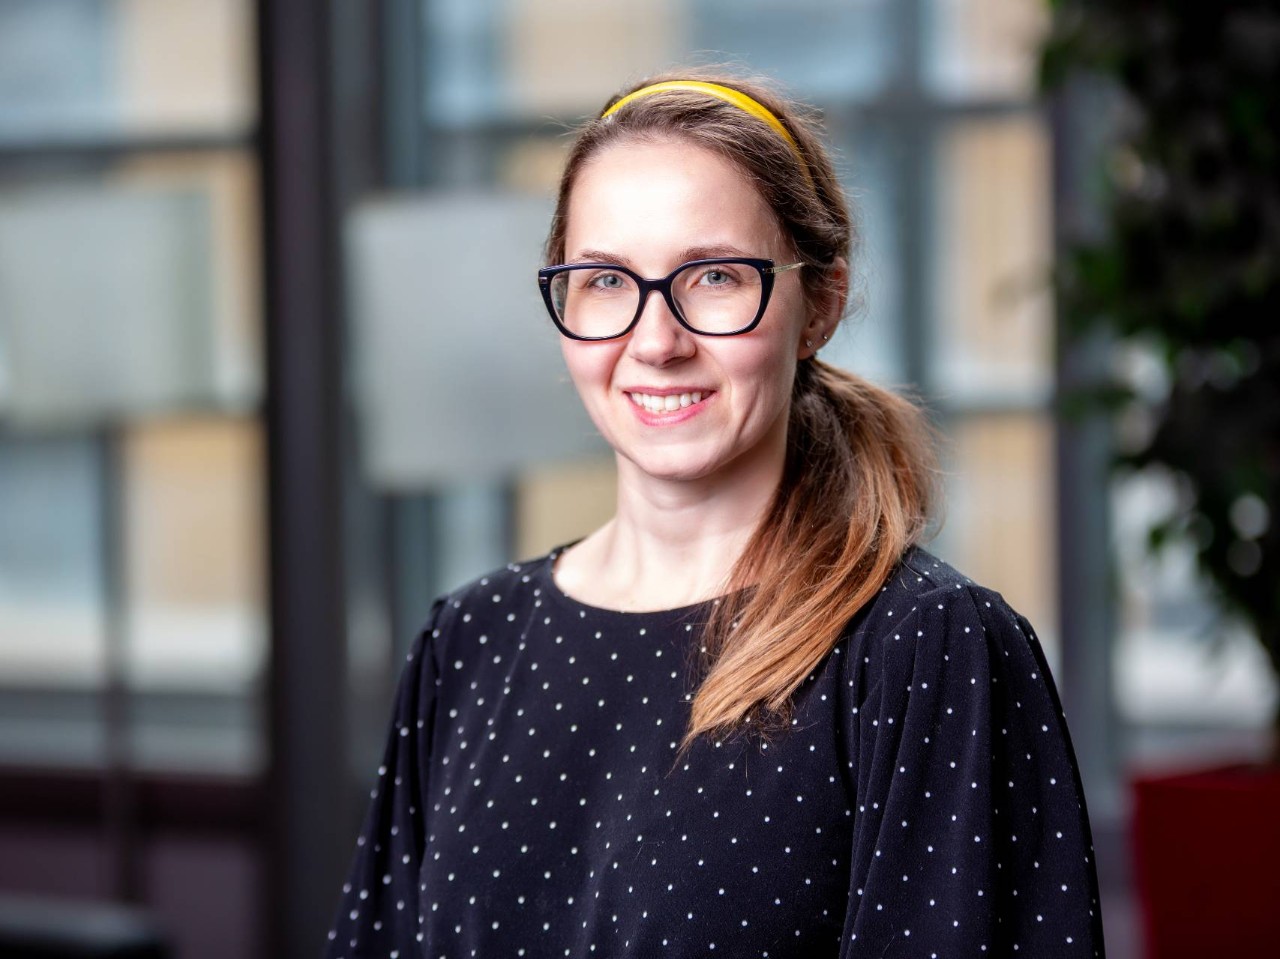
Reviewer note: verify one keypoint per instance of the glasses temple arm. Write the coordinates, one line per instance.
(782, 269)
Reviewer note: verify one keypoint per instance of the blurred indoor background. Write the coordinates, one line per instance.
(274, 373)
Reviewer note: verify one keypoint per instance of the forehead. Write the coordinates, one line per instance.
(640, 197)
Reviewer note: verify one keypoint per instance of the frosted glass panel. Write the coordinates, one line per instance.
(821, 49)
(54, 65)
(992, 254)
(869, 341)
(461, 70)
(51, 601)
(77, 68)
(983, 48)
(185, 65)
(1174, 662)
(1000, 513)
(560, 503)
(106, 304)
(228, 181)
(458, 368)
(565, 56)
(488, 59)
(195, 537)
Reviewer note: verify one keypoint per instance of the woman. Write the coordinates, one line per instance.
(749, 716)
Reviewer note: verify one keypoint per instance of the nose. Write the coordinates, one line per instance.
(658, 339)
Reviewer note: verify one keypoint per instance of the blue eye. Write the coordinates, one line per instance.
(717, 276)
(608, 281)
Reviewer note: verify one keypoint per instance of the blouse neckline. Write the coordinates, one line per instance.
(546, 575)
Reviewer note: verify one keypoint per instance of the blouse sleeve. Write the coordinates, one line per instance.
(970, 831)
(378, 914)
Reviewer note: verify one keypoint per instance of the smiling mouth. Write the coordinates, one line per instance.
(666, 404)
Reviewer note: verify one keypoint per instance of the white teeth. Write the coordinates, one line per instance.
(665, 404)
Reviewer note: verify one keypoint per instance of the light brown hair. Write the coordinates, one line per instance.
(858, 482)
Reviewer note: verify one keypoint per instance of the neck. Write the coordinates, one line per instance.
(672, 543)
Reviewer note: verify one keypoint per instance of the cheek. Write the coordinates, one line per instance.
(781, 382)
(590, 366)
(766, 373)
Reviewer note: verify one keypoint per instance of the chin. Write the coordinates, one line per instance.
(672, 467)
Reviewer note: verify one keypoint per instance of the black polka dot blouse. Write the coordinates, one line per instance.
(925, 801)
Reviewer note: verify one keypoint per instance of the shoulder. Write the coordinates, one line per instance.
(504, 587)
(921, 581)
(935, 643)
(489, 607)
(927, 609)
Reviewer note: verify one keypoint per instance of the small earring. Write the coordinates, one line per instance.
(824, 337)
(808, 344)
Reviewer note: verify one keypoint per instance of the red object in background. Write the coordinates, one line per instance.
(1206, 847)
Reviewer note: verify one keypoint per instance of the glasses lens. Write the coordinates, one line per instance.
(718, 297)
(594, 301)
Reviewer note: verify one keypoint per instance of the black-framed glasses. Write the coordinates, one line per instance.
(719, 296)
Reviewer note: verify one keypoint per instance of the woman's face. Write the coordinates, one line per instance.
(651, 207)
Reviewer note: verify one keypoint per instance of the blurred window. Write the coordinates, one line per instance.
(132, 535)
(1188, 685)
(79, 70)
(976, 49)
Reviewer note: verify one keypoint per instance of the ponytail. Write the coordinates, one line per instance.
(857, 490)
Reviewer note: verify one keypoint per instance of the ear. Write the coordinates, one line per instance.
(827, 309)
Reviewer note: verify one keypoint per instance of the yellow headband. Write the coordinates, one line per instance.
(728, 95)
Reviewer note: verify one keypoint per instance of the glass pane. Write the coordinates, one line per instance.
(531, 164)
(1000, 525)
(195, 536)
(131, 292)
(228, 182)
(869, 341)
(489, 60)
(52, 605)
(185, 65)
(1174, 665)
(558, 504)
(562, 57)
(826, 50)
(85, 68)
(992, 251)
(462, 68)
(983, 48)
(51, 561)
(54, 66)
(422, 345)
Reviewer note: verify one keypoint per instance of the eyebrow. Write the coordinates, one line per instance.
(684, 256)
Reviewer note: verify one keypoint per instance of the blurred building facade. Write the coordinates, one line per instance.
(273, 374)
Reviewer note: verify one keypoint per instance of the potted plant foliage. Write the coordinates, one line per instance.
(1187, 269)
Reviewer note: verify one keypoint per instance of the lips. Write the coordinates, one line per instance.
(666, 402)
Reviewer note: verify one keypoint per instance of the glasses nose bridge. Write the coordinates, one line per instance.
(663, 286)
